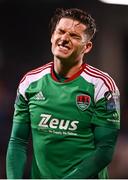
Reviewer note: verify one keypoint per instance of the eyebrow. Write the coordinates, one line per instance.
(70, 32)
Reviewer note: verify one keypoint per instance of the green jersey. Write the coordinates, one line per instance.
(62, 116)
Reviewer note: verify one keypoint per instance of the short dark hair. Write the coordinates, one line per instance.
(75, 14)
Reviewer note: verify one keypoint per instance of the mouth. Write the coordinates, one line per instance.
(64, 47)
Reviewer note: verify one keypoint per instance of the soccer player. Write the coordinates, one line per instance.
(71, 108)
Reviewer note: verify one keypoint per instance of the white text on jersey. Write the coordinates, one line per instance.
(48, 122)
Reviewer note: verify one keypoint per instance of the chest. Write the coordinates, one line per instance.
(61, 106)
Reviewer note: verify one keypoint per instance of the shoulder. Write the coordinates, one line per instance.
(37, 73)
(34, 75)
(99, 78)
(103, 83)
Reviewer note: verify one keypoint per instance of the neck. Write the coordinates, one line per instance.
(67, 69)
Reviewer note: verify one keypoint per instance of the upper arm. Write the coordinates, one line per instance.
(21, 118)
(107, 108)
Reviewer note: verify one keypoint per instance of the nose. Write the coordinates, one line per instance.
(65, 37)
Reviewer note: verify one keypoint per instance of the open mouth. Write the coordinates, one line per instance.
(62, 46)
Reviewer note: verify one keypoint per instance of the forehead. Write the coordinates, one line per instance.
(71, 25)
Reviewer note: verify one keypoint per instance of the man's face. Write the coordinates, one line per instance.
(69, 40)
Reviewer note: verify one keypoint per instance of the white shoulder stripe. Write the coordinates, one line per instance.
(101, 83)
(99, 77)
(99, 87)
(30, 78)
(37, 70)
(40, 68)
(104, 76)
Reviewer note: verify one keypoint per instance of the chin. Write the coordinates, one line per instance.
(62, 57)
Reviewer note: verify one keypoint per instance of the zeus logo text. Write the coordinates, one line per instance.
(54, 123)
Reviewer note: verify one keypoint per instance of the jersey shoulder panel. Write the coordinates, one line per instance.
(32, 76)
(102, 81)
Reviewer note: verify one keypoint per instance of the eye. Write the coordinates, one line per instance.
(75, 36)
(60, 31)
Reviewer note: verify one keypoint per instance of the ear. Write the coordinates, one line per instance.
(52, 36)
(88, 47)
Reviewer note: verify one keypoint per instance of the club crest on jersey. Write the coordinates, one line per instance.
(83, 101)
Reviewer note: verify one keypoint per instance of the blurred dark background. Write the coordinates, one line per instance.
(25, 45)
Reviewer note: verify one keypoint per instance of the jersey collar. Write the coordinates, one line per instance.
(69, 79)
